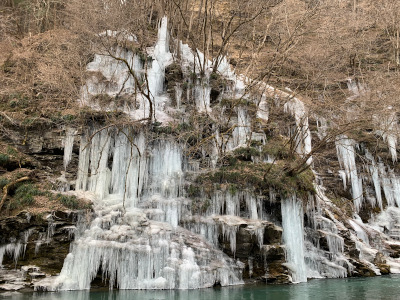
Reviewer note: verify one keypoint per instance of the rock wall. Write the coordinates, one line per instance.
(34, 246)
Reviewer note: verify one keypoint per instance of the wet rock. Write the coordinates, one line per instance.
(278, 274)
(393, 249)
(46, 240)
(383, 268)
(361, 269)
(272, 234)
(274, 253)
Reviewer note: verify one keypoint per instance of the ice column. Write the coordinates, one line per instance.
(346, 155)
(242, 133)
(292, 223)
(296, 108)
(68, 145)
(202, 92)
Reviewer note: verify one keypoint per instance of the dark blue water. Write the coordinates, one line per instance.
(382, 287)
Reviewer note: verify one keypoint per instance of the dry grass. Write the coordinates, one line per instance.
(42, 74)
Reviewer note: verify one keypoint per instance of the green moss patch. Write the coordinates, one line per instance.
(262, 177)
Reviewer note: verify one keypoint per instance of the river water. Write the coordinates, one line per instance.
(382, 287)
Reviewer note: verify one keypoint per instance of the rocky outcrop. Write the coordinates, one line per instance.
(34, 246)
(263, 262)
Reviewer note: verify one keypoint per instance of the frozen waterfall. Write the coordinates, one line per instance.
(135, 239)
(292, 223)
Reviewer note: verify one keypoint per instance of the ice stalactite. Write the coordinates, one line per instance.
(15, 248)
(153, 259)
(242, 133)
(319, 266)
(389, 130)
(228, 203)
(322, 262)
(225, 215)
(388, 222)
(205, 226)
(229, 226)
(373, 169)
(263, 109)
(178, 95)
(201, 94)
(135, 238)
(356, 88)
(302, 134)
(119, 76)
(68, 145)
(346, 155)
(293, 236)
(162, 58)
(129, 168)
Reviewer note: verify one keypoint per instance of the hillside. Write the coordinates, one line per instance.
(208, 143)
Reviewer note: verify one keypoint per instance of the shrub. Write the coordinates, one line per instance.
(24, 195)
(3, 182)
(68, 201)
(260, 176)
(245, 153)
(194, 191)
(72, 202)
(4, 159)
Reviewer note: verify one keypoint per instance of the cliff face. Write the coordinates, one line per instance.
(196, 178)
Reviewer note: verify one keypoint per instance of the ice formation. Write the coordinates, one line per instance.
(302, 134)
(68, 145)
(145, 234)
(16, 248)
(122, 78)
(135, 239)
(346, 155)
(293, 236)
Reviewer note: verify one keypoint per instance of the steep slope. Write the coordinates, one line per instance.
(201, 177)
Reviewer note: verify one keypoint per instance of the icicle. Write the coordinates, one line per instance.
(178, 95)
(13, 249)
(83, 166)
(242, 133)
(68, 145)
(396, 188)
(133, 250)
(253, 205)
(292, 223)
(389, 133)
(263, 110)
(296, 108)
(129, 167)
(386, 185)
(202, 92)
(318, 266)
(204, 226)
(229, 233)
(346, 155)
(99, 180)
(343, 176)
(374, 171)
